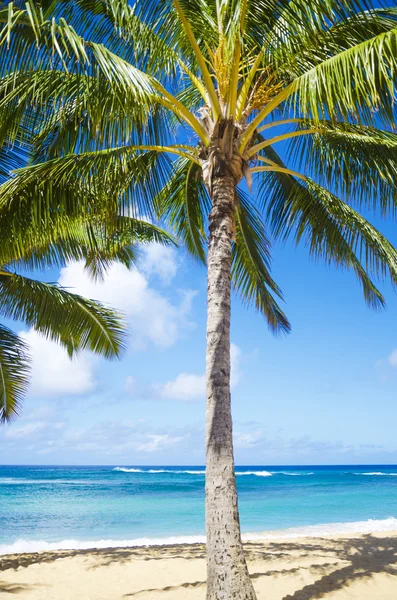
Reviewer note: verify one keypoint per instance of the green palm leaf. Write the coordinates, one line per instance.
(63, 317)
(251, 263)
(103, 184)
(331, 229)
(14, 373)
(360, 162)
(98, 244)
(184, 202)
(326, 89)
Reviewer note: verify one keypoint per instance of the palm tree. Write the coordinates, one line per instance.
(169, 107)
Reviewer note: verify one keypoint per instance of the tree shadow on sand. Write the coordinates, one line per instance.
(347, 560)
(105, 556)
(363, 557)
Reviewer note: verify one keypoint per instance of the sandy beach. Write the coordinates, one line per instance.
(356, 567)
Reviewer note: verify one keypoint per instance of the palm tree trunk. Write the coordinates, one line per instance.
(227, 573)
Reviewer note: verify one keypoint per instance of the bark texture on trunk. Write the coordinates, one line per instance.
(227, 573)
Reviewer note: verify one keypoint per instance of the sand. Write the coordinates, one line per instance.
(358, 567)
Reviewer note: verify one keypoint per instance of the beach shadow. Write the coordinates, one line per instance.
(348, 559)
(168, 588)
(365, 556)
(196, 584)
(17, 588)
(106, 556)
(14, 561)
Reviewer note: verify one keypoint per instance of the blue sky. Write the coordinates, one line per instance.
(325, 394)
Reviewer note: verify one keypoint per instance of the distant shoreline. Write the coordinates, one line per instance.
(327, 530)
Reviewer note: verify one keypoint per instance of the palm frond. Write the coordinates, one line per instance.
(120, 26)
(71, 320)
(184, 203)
(330, 228)
(322, 38)
(98, 243)
(251, 264)
(12, 157)
(79, 111)
(359, 162)
(102, 184)
(14, 374)
(327, 90)
(121, 243)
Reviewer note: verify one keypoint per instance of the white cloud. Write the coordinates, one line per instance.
(152, 318)
(120, 439)
(123, 442)
(189, 386)
(159, 442)
(160, 260)
(248, 439)
(392, 359)
(32, 429)
(53, 373)
(25, 430)
(185, 387)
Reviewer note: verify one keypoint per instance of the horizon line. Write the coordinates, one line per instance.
(131, 465)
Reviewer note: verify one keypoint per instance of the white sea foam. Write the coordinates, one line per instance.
(202, 472)
(125, 470)
(171, 471)
(189, 472)
(328, 529)
(323, 530)
(378, 473)
(22, 546)
(290, 473)
(257, 473)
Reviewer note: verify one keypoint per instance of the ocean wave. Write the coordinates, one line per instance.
(378, 473)
(291, 474)
(322, 530)
(256, 473)
(179, 472)
(192, 472)
(329, 529)
(188, 471)
(125, 470)
(22, 546)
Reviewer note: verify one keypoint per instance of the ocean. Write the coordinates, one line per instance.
(54, 507)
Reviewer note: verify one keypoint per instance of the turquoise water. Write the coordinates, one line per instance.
(56, 507)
